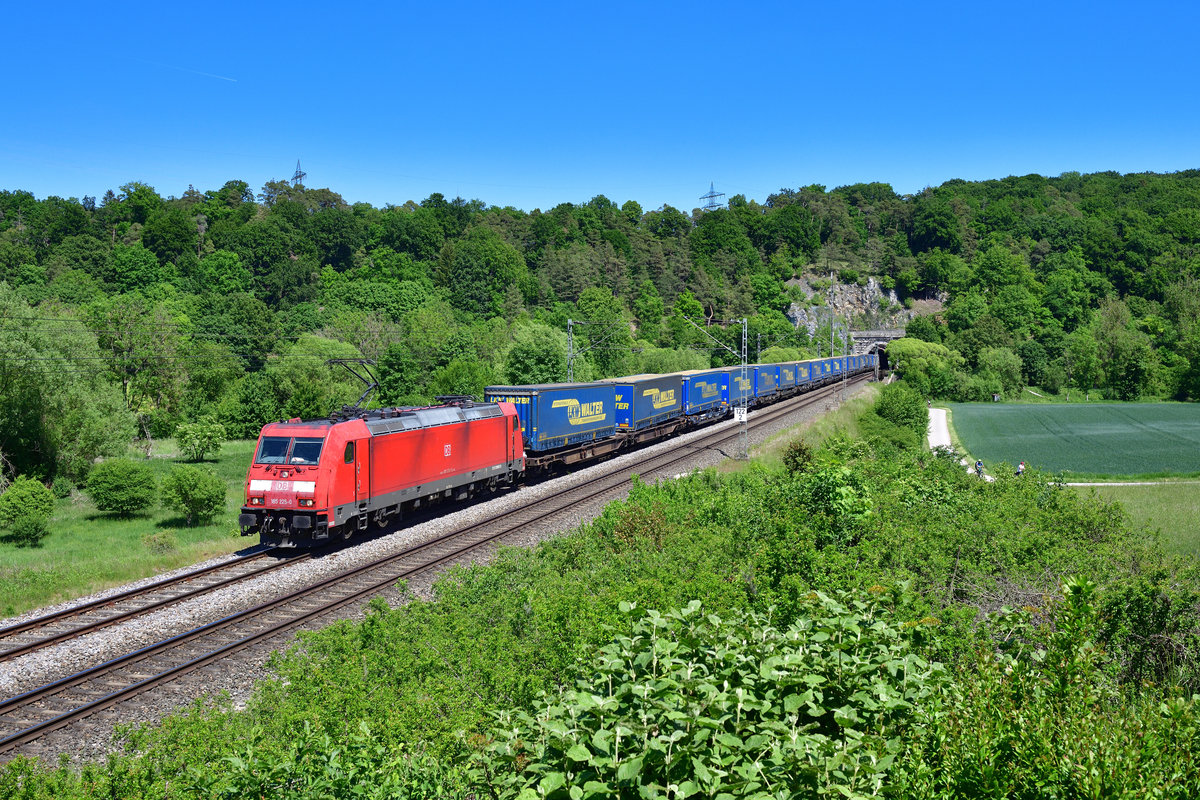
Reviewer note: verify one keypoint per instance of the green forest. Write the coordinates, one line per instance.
(129, 315)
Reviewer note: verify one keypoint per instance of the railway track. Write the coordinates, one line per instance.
(34, 634)
(27, 717)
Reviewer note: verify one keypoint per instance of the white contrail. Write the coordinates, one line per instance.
(186, 69)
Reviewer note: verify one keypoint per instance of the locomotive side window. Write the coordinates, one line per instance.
(273, 450)
(306, 452)
(349, 456)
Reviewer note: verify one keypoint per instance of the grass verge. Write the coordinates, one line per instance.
(1171, 508)
(89, 550)
(818, 430)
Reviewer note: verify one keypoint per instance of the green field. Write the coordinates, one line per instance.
(88, 550)
(1142, 439)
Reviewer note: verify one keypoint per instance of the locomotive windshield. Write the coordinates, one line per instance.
(273, 450)
(306, 451)
(284, 450)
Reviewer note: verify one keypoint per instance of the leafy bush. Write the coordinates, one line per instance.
(25, 509)
(798, 456)
(29, 529)
(25, 496)
(122, 486)
(316, 765)
(882, 434)
(901, 405)
(195, 491)
(200, 439)
(687, 704)
(999, 729)
(839, 502)
(62, 488)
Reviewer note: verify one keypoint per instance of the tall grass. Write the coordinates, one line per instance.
(1173, 509)
(840, 418)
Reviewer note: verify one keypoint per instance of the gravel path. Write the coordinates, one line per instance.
(939, 429)
(237, 676)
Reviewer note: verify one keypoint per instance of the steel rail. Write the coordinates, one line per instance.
(73, 633)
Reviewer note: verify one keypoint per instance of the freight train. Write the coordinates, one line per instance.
(316, 480)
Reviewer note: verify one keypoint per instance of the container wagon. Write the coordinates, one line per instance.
(648, 406)
(705, 393)
(766, 381)
(562, 422)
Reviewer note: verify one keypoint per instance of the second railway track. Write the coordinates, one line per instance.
(28, 716)
(79, 620)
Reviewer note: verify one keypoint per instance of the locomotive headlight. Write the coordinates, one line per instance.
(307, 502)
(256, 501)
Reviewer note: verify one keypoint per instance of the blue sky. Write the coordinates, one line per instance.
(535, 104)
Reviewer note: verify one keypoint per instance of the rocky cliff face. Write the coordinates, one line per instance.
(866, 306)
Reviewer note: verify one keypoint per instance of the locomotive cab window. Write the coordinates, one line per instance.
(282, 450)
(306, 452)
(349, 455)
(273, 450)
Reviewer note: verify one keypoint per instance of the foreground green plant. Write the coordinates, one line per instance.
(686, 704)
(1043, 719)
(195, 491)
(197, 440)
(315, 766)
(25, 509)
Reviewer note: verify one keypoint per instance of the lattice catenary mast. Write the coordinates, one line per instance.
(299, 175)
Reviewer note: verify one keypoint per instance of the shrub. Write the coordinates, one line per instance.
(727, 708)
(838, 500)
(25, 509)
(161, 542)
(199, 439)
(195, 491)
(29, 529)
(25, 497)
(901, 405)
(798, 456)
(122, 486)
(62, 488)
(880, 432)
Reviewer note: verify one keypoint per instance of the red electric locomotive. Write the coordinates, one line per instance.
(313, 480)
